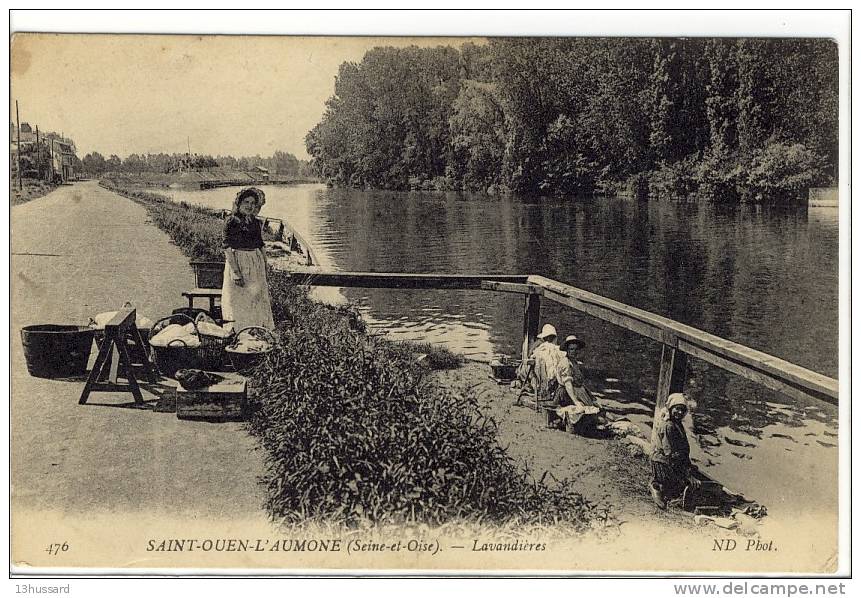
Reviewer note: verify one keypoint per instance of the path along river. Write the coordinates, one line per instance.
(766, 278)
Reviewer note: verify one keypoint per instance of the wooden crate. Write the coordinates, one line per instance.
(208, 275)
(551, 419)
(227, 400)
(506, 370)
(166, 401)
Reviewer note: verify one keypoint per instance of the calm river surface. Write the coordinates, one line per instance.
(764, 277)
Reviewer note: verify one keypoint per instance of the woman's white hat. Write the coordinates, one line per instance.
(572, 339)
(677, 398)
(547, 330)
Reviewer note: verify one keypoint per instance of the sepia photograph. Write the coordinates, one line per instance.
(497, 304)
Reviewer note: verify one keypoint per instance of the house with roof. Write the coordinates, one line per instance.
(57, 153)
(62, 152)
(260, 173)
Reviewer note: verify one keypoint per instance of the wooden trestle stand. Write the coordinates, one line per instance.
(118, 332)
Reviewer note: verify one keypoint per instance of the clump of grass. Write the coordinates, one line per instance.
(436, 356)
(353, 432)
(32, 189)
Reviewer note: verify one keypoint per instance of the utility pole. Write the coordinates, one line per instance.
(18, 124)
(38, 151)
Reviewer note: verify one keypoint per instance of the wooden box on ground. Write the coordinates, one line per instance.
(166, 400)
(227, 400)
(551, 418)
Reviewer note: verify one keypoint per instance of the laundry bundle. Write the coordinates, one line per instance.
(176, 335)
(251, 345)
(99, 321)
(210, 328)
(572, 414)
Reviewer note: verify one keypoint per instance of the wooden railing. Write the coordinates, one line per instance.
(678, 340)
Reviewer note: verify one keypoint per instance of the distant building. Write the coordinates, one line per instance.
(261, 172)
(63, 155)
(59, 152)
(28, 149)
(28, 136)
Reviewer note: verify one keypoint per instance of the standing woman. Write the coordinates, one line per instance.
(245, 292)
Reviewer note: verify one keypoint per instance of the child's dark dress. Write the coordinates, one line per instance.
(671, 458)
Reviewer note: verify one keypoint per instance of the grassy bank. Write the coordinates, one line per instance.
(32, 189)
(353, 432)
(196, 230)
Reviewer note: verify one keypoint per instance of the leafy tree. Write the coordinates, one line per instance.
(114, 164)
(753, 96)
(134, 164)
(94, 163)
(478, 135)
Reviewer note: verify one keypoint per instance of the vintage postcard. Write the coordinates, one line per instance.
(553, 305)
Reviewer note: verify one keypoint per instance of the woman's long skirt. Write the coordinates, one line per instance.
(670, 479)
(248, 305)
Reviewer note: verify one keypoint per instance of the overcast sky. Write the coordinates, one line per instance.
(138, 94)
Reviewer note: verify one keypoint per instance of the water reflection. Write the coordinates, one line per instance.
(763, 277)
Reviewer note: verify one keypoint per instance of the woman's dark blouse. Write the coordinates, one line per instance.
(242, 233)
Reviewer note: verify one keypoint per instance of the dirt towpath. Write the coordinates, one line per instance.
(76, 252)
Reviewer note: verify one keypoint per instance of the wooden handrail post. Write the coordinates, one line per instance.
(531, 315)
(671, 379)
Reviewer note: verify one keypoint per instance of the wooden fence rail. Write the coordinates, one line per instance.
(678, 340)
(770, 371)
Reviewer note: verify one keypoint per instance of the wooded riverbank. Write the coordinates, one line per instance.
(716, 118)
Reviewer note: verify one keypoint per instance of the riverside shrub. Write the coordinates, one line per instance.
(353, 432)
(436, 357)
(781, 171)
(673, 181)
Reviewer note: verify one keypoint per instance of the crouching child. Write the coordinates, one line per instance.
(672, 470)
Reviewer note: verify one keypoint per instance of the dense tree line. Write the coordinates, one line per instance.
(725, 118)
(281, 163)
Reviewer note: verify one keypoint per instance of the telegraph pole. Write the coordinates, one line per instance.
(38, 151)
(18, 124)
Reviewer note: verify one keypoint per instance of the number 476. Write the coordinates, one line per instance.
(55, 549)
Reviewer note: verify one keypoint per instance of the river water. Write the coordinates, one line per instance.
(763, 277)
